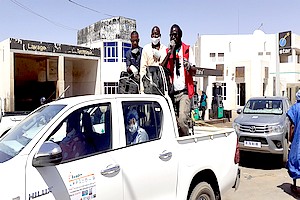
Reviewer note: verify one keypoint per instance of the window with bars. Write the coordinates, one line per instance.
(212, 57)
(110, 51)
(125, 47)
(110, 87)
(221, 57)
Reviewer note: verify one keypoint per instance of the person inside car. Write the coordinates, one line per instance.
(136, 134)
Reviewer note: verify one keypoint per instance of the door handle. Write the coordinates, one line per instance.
(165, 155)
(110, 170)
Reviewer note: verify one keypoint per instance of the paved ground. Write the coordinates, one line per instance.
(262, 177)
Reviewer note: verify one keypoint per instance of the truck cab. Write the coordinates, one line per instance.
(45, 153)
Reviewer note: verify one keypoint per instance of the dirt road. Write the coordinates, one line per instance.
(262, 178)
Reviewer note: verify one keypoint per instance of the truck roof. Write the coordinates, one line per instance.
(84, 98)
(269, 97)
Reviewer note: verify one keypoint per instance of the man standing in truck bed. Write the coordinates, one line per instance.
(181, 59)
(133, 57)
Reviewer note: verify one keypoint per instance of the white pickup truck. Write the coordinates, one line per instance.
(38, 161)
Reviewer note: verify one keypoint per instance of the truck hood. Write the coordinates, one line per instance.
(250, 119)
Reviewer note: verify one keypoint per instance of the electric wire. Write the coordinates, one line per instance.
(37, 14)
(90, 8)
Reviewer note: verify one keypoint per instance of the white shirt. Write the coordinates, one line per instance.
(179, 81)
(148, 59)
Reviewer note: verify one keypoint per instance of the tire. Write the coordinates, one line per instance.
(285, 152)
(202, 191)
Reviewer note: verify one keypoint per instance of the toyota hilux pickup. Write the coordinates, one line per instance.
(263, 126)
(39, 160)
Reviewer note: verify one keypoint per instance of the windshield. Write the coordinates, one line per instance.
(13, 142)
(263, 106)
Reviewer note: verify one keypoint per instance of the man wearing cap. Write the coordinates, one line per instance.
(293, 163)
(136, 133)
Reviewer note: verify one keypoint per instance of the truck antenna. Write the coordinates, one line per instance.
(63, 93)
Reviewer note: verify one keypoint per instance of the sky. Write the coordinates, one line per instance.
(58, 21)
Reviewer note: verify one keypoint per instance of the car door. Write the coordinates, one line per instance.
(95, 175)
(150, 167)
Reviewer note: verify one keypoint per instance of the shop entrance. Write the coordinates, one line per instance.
(31, 82)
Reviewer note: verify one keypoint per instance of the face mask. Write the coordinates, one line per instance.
(155, 41)
(135, 50)
(132, 128)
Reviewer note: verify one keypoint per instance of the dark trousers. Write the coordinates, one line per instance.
(202, 108)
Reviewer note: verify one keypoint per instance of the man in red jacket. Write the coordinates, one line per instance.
(180, 61)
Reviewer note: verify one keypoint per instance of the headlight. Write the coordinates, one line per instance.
(275, 129)
(236, 127)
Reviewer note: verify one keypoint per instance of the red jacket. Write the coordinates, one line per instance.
(188, 76)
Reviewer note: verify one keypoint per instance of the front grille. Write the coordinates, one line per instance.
(254, 129)
(253, 139)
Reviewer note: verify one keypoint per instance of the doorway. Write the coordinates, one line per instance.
(241, 94)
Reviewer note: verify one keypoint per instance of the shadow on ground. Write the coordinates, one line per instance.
(286, 187)
(260, 160)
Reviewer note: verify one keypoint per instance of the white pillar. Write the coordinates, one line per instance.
(61, 77)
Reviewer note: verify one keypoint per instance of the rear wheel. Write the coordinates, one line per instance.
(203, 191)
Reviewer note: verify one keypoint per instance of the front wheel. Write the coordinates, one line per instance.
(285, 152)
(202, 191)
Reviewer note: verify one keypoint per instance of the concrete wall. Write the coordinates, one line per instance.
(109, 29)
(7, 79)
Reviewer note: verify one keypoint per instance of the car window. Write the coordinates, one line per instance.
(142, 121)
(264, 106)
(85, 131)
(12, 144)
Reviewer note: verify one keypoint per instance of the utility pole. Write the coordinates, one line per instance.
(277, 66)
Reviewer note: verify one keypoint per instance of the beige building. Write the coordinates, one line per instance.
(30, 70)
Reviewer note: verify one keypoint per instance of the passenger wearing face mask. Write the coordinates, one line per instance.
(136, 133)
(153, 54)
(133, 57)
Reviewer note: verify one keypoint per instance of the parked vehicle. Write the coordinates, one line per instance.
(9, 120)
(263, 126)
(166, 166)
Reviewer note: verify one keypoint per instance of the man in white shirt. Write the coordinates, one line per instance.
(181, 63)
(153, 54)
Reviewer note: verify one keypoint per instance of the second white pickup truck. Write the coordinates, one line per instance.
(98, 159)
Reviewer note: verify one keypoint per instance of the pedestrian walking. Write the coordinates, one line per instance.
(293, 163)
(203, 104)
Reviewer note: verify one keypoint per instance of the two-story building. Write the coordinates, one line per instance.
(251, 65)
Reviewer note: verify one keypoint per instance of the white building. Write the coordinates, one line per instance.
(249, 65)
(112, 36)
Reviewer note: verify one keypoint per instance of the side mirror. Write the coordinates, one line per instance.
(239, 111)
(49, 154)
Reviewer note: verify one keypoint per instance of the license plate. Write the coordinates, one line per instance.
(252, 144)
